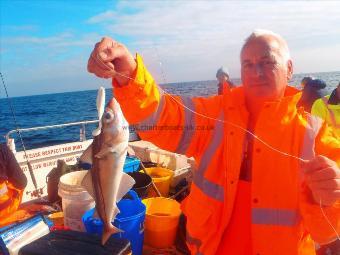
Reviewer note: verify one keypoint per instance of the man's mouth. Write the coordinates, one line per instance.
(259, 84)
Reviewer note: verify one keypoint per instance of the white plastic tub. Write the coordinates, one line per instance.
(75, 199)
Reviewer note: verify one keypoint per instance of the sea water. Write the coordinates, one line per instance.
(51, 109)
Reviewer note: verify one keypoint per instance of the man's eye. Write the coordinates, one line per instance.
(269, 63)
(247, 65)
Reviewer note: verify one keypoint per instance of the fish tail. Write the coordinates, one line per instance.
(108, 231)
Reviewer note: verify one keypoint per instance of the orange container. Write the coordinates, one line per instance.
(57, 218)
(161, 221)
(162, 178)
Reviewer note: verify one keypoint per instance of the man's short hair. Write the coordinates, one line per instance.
(262, 32)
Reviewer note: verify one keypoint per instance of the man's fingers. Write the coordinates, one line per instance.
(323, 174)
(102, 55)
(107, 50)
(323, 179)
(95, 64)
(110, 59)
(325, 201)
(316, 164)
(111, 53)
(95, 69)
(103, 60)
(327, 196)
(332, 184)
(102, 64)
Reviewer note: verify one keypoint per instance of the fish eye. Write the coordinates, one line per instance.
(108, 116)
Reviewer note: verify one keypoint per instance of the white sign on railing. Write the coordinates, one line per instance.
(43, 160)
(51, 151)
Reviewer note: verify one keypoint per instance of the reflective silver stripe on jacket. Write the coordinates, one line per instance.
(154, 117)
(189, 125)
(209, 188)
(278, 217)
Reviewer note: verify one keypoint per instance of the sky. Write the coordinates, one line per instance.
(45, 45)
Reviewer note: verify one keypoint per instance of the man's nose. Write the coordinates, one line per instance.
(258, 70)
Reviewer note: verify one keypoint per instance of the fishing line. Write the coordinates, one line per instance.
(328, 221)
(211, 118)
(19, 133)
(226, 122)
(207, 117)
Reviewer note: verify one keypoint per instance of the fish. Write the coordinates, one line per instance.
(106, 182)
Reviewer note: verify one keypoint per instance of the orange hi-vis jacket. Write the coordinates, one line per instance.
(283, 215)
(224, 88)
(10, 199)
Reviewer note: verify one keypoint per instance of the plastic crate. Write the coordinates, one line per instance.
(167, 159)
(131, 164)
(21, 234)
(141, 149)
(180, 174)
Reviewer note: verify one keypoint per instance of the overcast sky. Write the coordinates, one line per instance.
(45, 44)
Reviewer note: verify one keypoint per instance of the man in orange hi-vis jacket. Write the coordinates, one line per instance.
(12, 183)
(246, 197)
(224, 83)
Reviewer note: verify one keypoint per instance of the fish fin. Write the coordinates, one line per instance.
(98, 130)
(116, 211)
(108, 231)
(100, 108)
(86, 157)
(120, 147)
(103, 152)
(125, 185)
(131, 151)
(96, 214)
(87, 184)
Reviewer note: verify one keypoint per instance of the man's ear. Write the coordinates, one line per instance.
(289, 69)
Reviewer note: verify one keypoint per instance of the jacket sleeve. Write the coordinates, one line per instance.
(319, 109)
(327, 144)
(166, 120)
(13, 172)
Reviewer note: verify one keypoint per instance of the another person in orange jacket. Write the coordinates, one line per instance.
(249, 195)
(12, 183)
(224, 83)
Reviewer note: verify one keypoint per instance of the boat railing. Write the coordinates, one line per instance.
(11, 144)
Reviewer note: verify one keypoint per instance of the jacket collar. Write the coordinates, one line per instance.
(283, 107)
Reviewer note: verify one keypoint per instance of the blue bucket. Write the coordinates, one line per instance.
(130, 220)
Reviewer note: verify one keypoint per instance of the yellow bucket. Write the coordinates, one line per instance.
(161, 221)
(162, 178)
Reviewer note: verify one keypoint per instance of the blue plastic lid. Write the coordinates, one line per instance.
(85, 166)
(129, 161)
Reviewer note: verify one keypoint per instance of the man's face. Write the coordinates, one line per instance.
(264, 71)
(222, 78)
